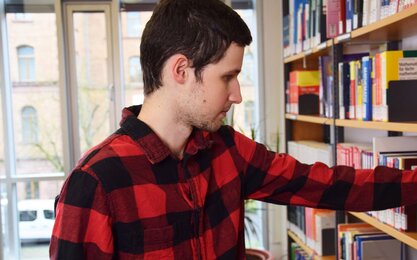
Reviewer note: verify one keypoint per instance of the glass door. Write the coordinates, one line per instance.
(90, 70)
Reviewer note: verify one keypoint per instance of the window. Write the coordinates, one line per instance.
(29, 125)
(32, 190)
(249, 114)
(26, 63)
(134, 24)
(27, 215)
(24, 17)
(135, 70)
(247, 74)
(48, 214)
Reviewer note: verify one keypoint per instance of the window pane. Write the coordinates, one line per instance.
(134, 27)
(2, 143)
(26, 63)
(34, 72)
(36, 213)
(135, 69)
(91, 50)
(27, 215)
(247, 123)
(29, 125)
(4, 219)
(131, 54)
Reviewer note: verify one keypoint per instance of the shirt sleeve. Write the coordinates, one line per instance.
(281, 179)
(82, 227)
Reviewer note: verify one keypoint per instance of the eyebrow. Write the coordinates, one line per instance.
(236, 71)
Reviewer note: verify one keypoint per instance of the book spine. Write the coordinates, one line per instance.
(359, 90)
(376, 109)
(349, 15)
(332, 16)
(367, 88)
(342, 17)
(352, 94)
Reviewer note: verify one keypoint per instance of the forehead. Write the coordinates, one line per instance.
(232, 58)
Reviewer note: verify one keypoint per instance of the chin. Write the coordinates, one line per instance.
(210, 127)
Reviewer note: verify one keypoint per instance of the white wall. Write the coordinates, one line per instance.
(270, 28)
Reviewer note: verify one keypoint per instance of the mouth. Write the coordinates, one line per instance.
(226, 110)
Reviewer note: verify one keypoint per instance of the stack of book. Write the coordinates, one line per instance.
(362, 241)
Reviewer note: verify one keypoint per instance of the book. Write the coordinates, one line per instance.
(325, 233)
(332, 18)
(349, 15)
(342, 17)
(366, 88)
(357, 14)
(352, 89)
(393, 144)
(346, 100)
(321, 28)
(310, 225)
(392, 65)
(359, 90)
(401, 100)
(378, 247)
(326, 79)
(304, 92)
(310, 152)
(345, 233)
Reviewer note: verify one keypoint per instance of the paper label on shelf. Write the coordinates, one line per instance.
(407, 68)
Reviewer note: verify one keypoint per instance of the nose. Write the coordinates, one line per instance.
(235, 94)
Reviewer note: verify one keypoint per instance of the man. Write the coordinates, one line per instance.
(171, 182)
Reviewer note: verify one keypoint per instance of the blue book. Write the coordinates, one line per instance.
(286, 31)
(367, 88)
(297, 22)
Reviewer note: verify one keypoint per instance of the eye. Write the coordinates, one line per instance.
(228, 78)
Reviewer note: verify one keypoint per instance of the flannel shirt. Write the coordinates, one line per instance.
(129, 198)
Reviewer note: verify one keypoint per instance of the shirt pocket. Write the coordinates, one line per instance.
(160, 240)
(159, 237)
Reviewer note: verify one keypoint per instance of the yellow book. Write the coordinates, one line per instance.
(394, 66)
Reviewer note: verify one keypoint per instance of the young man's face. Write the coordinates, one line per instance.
(207, 101)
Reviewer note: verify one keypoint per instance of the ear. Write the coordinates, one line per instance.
(180, 68)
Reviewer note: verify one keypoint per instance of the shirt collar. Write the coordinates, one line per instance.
(153, 147)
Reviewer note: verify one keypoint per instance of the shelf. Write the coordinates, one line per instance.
(387, 126)
(409, 238)
(310, 119)
(308, 250)
(394, 27)
(294, 57)
(321, 48)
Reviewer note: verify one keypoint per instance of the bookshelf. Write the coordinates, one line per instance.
(317, 50)
(310, 119)
(409, 238)
(387, 126)
(392, 29)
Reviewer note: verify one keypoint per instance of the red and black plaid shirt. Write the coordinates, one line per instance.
(129, 198)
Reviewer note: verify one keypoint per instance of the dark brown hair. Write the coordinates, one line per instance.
(201, 30)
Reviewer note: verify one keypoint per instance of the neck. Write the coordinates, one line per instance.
(161, 118)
